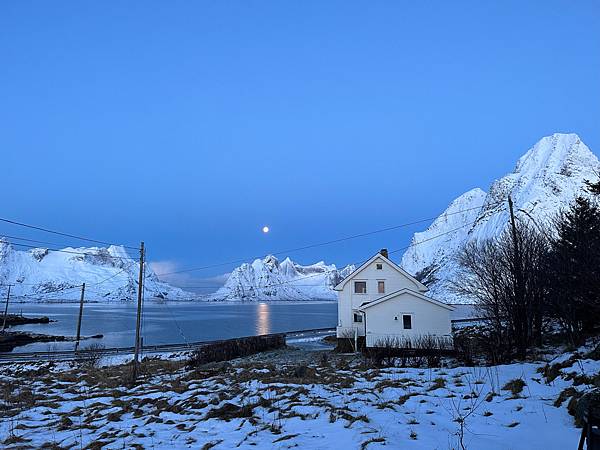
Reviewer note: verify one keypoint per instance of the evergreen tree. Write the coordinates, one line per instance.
(574, 269)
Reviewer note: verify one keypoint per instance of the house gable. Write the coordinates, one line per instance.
(379, 258)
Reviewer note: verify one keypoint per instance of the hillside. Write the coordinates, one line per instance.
(110, 274)
(545, 180)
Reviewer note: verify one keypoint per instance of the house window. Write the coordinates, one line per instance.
(381, 287)
(360, 287)
(407, 321)
(357, 317)
(379, 266)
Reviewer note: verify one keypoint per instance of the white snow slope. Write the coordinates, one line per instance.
(109, 273)
(269, 279)
(545, 180)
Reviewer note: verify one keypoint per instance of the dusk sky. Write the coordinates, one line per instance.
(190, 125)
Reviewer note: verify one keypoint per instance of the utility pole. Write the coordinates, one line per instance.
(518, 264)
(139, 313)
(6, 309)
(519, 277)
(80, 314)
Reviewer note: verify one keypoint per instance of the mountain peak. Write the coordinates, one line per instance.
(546, 179)
(555, 154)
(269, 279)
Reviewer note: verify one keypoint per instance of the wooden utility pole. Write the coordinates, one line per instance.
(139, 313)
(512, 220)
(519, 277)
(80, 314)
(517, 249)
(6, 308)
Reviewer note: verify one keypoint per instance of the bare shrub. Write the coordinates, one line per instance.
(235, 348)
(90, 357)
(414, 351)
(480, 341)
(348, 341)
(506, 277)
(462, 408)
(515, 386)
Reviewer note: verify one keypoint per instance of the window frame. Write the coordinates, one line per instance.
(364, 282)
(410, 322)
(357, 315)
(381, 286)
(378, 266)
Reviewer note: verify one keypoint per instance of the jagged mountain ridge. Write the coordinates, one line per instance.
(545, 180)
(109, 273)
(269, 279)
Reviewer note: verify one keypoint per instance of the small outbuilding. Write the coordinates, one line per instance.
(387, 306)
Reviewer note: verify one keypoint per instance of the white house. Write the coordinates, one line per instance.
(380, 301)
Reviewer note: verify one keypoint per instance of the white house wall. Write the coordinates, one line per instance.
(427, 319)
(348, 301)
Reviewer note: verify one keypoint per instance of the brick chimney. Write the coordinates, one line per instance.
(383, 252)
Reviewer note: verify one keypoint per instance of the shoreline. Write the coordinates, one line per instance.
(153, 301)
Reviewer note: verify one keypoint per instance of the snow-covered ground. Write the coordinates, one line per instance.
(293, 398)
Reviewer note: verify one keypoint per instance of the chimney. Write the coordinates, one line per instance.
(383, 252)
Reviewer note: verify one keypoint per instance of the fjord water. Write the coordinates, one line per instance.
(169, 323)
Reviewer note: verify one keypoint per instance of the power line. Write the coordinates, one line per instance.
(431, 238)
(284, 282)
(114, 275)
(413, 244)
(70, 252)
(37, 295)
(271, 285)
(323, 243)
(52, 292)
(46, 230)
(27, 240)
(393, 251)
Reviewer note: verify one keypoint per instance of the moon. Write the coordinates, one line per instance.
(265, 229)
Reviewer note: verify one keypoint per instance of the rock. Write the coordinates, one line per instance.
(304, 372)
(230, 411)
(10, 340)
(14, 319)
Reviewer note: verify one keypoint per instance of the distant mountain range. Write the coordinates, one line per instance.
(109, 273)
(269, 279)
(545, 179)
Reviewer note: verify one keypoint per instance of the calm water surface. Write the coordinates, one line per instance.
(167, 323)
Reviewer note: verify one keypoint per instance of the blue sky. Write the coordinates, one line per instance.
(190, 125)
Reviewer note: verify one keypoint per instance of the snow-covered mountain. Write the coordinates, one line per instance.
(545, 180)
(269, 279)
(109, 273)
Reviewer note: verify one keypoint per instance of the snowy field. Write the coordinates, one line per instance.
(293, 398)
